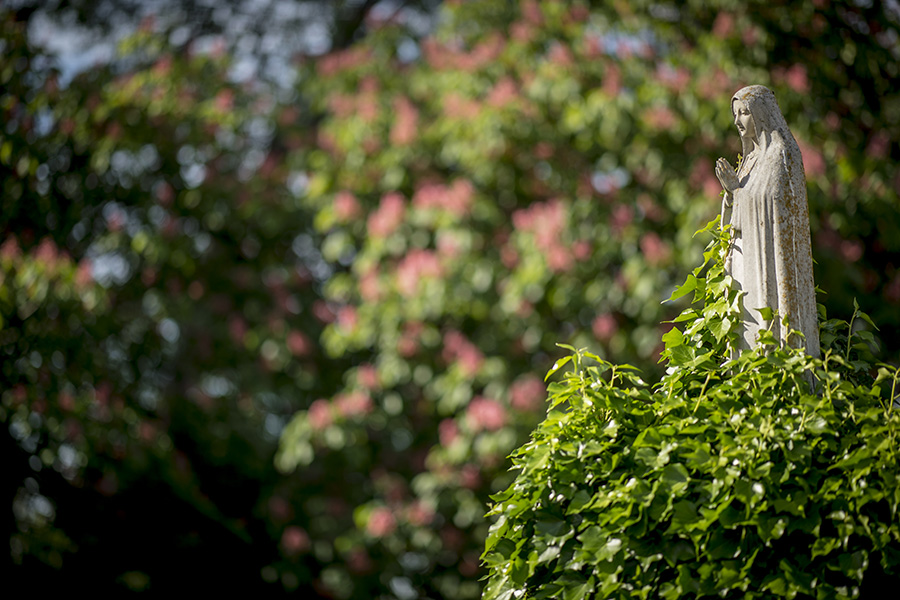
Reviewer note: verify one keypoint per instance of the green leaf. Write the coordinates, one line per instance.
(683, 290)
(672, 338)
(557, 366)
(720, 327)
(766, 313)
(868, 320)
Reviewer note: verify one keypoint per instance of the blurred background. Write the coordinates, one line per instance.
(280, 279)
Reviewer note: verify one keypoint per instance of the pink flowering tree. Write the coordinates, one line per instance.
(532, 176)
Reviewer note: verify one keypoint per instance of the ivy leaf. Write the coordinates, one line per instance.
(766, 313)
(672, 338)
(720, 327)
(683, 290)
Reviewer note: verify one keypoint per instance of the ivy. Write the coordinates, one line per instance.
(731, 477)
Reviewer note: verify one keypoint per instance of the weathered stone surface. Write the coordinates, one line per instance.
(765, 203)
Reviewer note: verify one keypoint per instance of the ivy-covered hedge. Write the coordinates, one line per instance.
(731, 477)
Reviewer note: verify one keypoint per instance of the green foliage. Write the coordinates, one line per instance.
(729, 478)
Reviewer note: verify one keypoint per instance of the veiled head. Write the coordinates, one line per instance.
(762, 104)
(767, 117)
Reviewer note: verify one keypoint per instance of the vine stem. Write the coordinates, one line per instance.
(893, 389)
(702, 391)
(850, 335)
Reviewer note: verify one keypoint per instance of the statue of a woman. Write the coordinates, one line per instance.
(771, 259)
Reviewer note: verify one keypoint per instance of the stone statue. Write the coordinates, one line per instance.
(770, 259)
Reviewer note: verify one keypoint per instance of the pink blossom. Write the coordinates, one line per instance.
(66, 401)
(527, 393)
(237, 328)
(531, 11)
(485, 414)
(352, 57)
(750, 35)
(484, 53)
(406, 122)
(347, 318)
(84, 275)
(812, 159)
(322, 311)
(460, 108)
(560, 55)
(298, 343)
(543, 150)
(47, 252)
(559, 258)
(650, 207)
(353, 404)
(147, 431)
(503, 93)
(10, 249)
(460, 350)
(416, 266)
(369, 286)
(509, 256)
(420, 514)
(715, 82)
(367, 376)
(676, 80)
(455, 198)
(654, 249)
(547, 222)
(295, 540)
(367, 104)
(470, 477)
(544, 219)
(381, 522)
(525, 309)
(408, 344)
(448, 245)
(388, 217)
(579, 14)
(660, 118)
(342, 105)
(346, 208)
(612, 80)
(581, 250)
(703, 176)
(851, 250)
(326, 140)
(593, 46)
(320, 414)
(797, 79)
(442, 56)
(723, 25)
(224, 100)
(447, 432)
(879, 145)
(604, 327)
(522, 31)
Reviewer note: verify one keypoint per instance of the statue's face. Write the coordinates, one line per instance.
(743, 120)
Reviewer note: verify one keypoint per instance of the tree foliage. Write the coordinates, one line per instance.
(365, 271)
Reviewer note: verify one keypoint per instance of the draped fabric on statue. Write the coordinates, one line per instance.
(771, 259)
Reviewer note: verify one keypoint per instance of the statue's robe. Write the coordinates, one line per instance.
(771, 259)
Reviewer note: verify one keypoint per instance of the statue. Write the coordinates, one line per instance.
(770, 259)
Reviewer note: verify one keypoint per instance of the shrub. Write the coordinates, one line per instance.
(729, 477)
